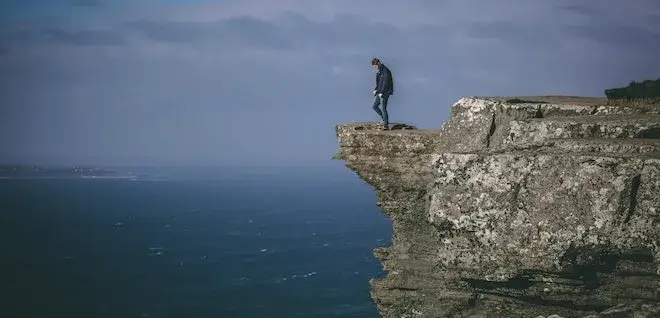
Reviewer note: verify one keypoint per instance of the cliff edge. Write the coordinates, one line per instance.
(517, 207)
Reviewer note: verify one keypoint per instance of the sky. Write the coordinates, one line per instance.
(264, 82)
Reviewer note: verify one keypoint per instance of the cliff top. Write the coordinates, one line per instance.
(556, 106)
(571, 124)
(647, 105)
(549, 105)
(551, 99)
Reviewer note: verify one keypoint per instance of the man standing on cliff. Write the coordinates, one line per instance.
(384, 89)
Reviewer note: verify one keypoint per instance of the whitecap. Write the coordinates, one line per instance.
(317, 222)
(294, 276)
(240, 281)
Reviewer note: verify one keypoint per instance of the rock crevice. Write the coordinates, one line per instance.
(517, 208)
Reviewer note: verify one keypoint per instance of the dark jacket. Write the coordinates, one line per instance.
(384, 81)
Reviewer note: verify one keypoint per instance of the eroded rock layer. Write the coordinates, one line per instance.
(522, 208)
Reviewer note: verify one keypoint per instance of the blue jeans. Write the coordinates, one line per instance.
(382, 101)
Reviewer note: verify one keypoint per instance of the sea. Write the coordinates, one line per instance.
(203, 242)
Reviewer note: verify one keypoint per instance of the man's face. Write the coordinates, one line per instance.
(375, 67)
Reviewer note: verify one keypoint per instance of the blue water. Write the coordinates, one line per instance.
(270, 246)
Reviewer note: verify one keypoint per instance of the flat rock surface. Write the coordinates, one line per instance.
(617, 118)
(565, 100)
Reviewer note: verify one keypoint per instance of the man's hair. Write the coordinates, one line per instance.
(375, 61)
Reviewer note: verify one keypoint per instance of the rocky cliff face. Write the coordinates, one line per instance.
(517, 208)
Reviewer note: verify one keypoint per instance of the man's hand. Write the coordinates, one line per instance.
(374, 92)
(380, 95)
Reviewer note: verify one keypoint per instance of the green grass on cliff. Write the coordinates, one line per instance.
(523, 101)
(648, 90)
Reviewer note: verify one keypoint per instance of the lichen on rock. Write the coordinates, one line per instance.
(517, 207)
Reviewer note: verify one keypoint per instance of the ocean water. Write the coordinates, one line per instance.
(269, 245)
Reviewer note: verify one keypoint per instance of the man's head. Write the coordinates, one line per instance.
(375, 63)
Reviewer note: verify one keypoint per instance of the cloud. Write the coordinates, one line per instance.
(238, 32)
(579, 9)
(255, 80)
(54, 35)
(520, 35)
(291, 31)
(85, 37)
(87, 3)
(628, 37)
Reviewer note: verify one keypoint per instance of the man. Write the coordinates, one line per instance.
(384, 89)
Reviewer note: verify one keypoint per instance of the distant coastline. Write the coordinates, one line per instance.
(58, 172)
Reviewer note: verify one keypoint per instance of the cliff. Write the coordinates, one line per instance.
(528, 207)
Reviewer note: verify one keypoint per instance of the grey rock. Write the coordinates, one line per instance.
(548, 207)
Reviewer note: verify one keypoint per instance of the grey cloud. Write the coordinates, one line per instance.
(623, 36)
(580, 9)
(85, 37)
(646, 40)
(20, 36)
(63, 36)
(344, 29)
(607, 13)
(513, 33)
(292, 31)
(239, 31)
(87, 3)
